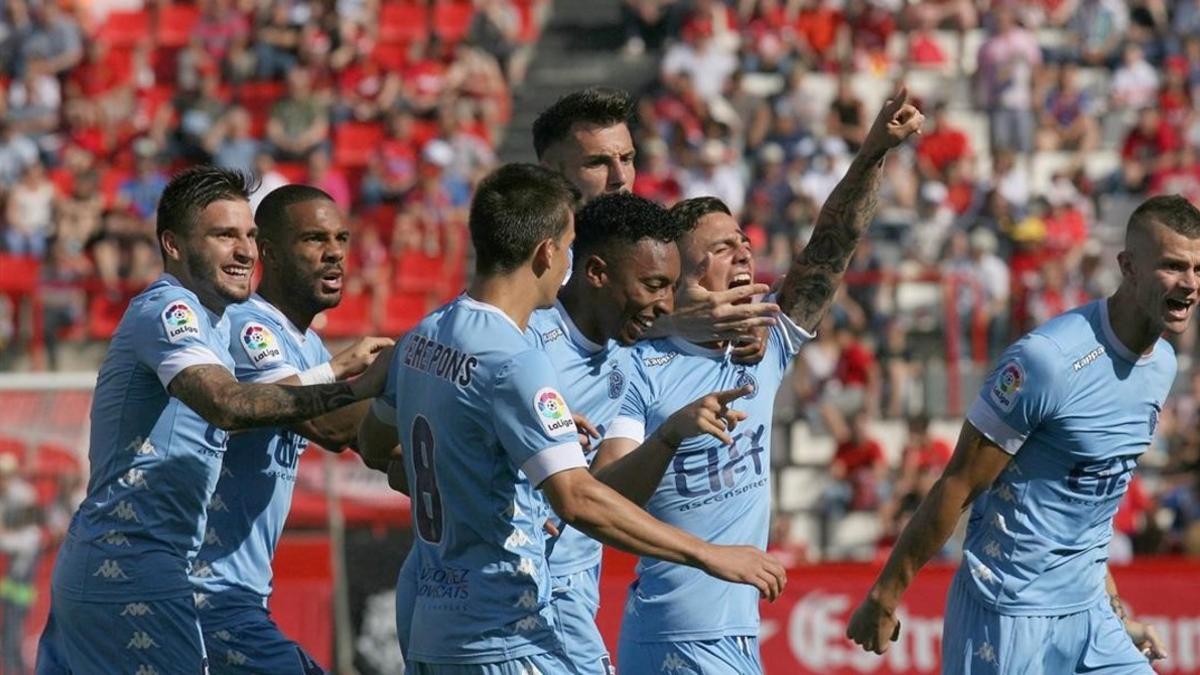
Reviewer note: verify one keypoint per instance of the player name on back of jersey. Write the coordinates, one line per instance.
(439, 360)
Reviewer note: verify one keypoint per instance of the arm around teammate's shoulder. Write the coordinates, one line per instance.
(976, 463)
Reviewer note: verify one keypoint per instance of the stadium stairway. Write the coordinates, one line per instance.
(580, 46)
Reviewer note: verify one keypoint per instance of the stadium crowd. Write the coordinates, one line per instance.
(1049, 120)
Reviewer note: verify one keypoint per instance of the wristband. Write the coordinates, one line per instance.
(322, 374)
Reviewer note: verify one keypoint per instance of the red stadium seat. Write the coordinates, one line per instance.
(452, 19)
(294, 172)
(124, 29)
(355, 142)
(391, 56)
(18, 274)
(416, 271)
(403, 22)
(350, 319)
(175, 24)
(104, 315)
(110, 184)
(403, 311)
(260, 95)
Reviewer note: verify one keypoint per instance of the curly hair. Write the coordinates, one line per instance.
(620, 218)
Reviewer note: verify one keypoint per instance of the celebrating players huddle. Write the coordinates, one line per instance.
(607, 378)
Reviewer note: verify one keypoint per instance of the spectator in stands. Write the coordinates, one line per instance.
(392, 170)
(29, 213)
(1096, 31)
(34, 104)
(139, 194)
(823, 34)
(232, 142)
(701, 58)
(924, 49)
(1182, 502)
(846, 119)
(960, 15)
(298, 123)
(857, 476)
(1010, 181)
(17, 152)
(78, 215)
(1005, 82)
(20, 542)
(46, 33)
(647, 23)
(1067, 119)
(276, 42)
(268, 176)
(1146, 148)
(871, 23)
(495, 28)
(199, 112)
(922, 459)
(657, 178)
(1129, 522)
(330, 179)
(65, 272)
(367, 91)
(943, 144)
(219, 28)
(1055, 293)
(471, 157)
(1135, 83)
(429, 208)
(716, 176)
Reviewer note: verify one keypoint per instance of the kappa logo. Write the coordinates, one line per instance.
(226, 472)
(180, 321)
(1007, 385)
(141, 447)
(124, 511)
(513, 511)
(528, 624)
(137, 609)
(526, 567)
(553, 413)
(987, 653)
(655, 361)
(517, 539)
(982, 572)
(992, 549)
(141, 641)
(551, 335)
(135, 479)
(201, 601)
(674, 663)
(110, 569)
(217, 504)
(528, 600)
(1088, 359)
(211, 538)
(235, 658)
(145, 669)
(223, 635)
(114, 538)
(202, 569)
(261, 345)
(1004, 493)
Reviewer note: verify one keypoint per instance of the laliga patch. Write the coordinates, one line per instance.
(261, 345)
(1007, 385)
(552, 412)
(180, 321)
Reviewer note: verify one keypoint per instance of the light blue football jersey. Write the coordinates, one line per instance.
(593, 379)
(253, 496)
(478, 411)
(154, 461)
(719, 493)
(1076, 408)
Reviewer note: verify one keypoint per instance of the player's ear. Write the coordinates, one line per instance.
(1125, 263)
(169, 240)
(595, 270)
(543, 255)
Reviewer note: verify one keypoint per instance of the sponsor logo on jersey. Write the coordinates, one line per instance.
(552, 335)
(653, 361)
(261, 345)
(1088, 359)
(553, 413)
(180, 321)
(1007, 385)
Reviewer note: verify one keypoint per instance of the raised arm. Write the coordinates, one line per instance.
(224, 402)
(817, 270)
(976, 463)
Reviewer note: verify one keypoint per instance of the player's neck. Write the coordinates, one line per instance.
(582, 310)
(1136, 332)
(300, 318)
(510, 293)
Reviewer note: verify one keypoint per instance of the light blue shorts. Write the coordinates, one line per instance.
(536, 664)
(978, 641)
(153, 637)
(730, 655)
(576, 599)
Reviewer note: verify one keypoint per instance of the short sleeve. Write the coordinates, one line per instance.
(532, 420)
(258, 352)
(172, 335)
(634, 413)
(1020, 393)
(789, 336)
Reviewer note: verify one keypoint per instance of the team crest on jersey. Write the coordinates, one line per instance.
(180, 321)
(1007, 385)
(616, 383)
(745, 378)
(261, 345)
(553, 413)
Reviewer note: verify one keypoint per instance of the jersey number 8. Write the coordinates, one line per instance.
(427, 501)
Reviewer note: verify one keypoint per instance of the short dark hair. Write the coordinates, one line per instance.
(620, 218)
(602, 106)
(192, 190)
(272, 217)
(1172, 211)
(689, 211)
(516, 207)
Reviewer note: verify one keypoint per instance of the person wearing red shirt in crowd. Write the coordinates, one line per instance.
(656, 178)
(859, 468)
(1179, 175)
(921, 462)
(1130, 519)
(820, 26)
(1146, 148)
(1066, 226)
(857, 368)
(367, 91)
(392, 171)
(936, 149)
(871, 26)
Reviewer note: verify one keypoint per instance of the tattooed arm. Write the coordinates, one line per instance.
(228, 404)
(817, 270)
